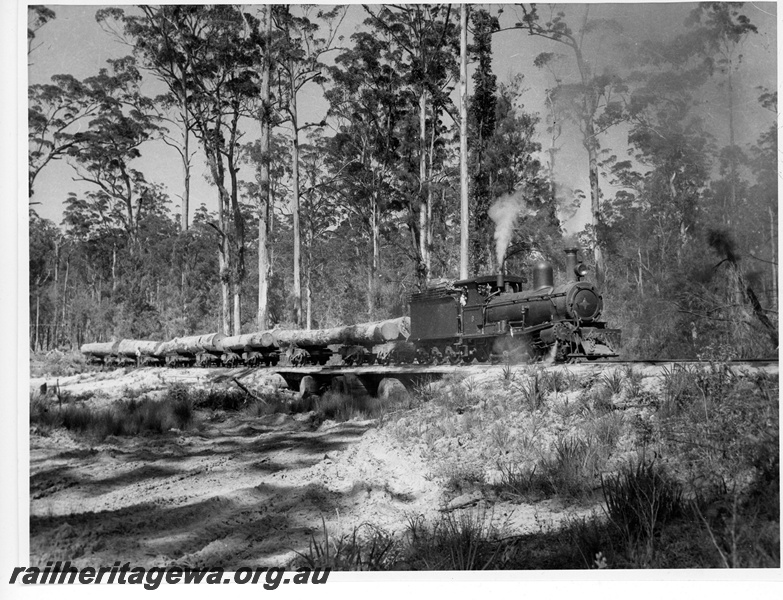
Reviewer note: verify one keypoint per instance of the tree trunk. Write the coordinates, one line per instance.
(372, 283)
(772, 232)
(308, 283)
(423, 208)
(263, 267)
(185, 160)
(113, 270)
(215, 161)
(727, 210)
(238, 260)
(428, 237)
(308, 301)
(262, 318)
(55, 299)
(65, 291)
(590, 143)
(295, 213)
(463, 142)
(225, 289)
(595, 200)
(237, 308)
(641, 280)
(552, 145)
(595, 206)
(37, 318)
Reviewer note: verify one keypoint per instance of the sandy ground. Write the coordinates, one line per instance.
(241, 490)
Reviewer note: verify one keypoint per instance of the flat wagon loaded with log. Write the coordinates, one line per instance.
(483, 318)
(380, 341)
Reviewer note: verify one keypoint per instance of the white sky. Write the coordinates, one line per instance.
(74, 43)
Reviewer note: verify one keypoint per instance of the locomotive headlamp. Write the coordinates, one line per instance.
(581, 270)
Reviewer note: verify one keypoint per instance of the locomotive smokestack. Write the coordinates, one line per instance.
(571, 262)
(501, 279)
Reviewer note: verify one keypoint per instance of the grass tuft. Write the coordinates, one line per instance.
(640, 500)
(456, 542)
(366, 548)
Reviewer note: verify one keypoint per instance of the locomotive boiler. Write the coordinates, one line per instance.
(492, 317)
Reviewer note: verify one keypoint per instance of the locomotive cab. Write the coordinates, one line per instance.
(478, 291)
(450, 310)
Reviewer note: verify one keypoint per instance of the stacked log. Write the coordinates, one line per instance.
(100, 349)
(194, 344)
(364, 334)
(248, 341)
(135, 348)
(398, 329)
(211, 342)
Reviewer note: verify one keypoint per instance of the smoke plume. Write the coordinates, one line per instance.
(504, 212)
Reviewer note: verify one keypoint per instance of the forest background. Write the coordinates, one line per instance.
(236, 168)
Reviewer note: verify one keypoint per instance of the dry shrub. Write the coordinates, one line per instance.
(633, 381)
(558, 381)
(57, 363)
(337, 406)
(572, 470)
(607, 429)
(640, 500)
(128, 417)
(455, 542)
(613, 380)
(366, 548)
(533, 390)
(598, 399)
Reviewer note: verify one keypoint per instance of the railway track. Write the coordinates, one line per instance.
(658, 361)
(317, 377)
(228, 373)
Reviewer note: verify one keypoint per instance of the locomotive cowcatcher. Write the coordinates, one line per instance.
(492, 317)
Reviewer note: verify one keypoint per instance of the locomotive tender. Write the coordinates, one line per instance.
(487, 317)
(483, 318)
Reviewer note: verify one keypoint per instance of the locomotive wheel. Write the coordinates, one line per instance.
(482, 354)
(436, 356)
(453, 356)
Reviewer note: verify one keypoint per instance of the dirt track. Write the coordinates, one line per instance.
(242, 491)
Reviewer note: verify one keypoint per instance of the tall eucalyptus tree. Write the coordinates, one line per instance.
(427, 36)
(298, 56)
(208, 57)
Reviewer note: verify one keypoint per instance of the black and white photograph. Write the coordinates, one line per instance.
(400, 288)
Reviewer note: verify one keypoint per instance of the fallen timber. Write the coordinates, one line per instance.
(123, 351)
(353, 344)
(100, 349)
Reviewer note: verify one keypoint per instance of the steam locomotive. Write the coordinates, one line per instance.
(482, 318)
(491, 317)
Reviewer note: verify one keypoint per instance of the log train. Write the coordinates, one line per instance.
(487, 318)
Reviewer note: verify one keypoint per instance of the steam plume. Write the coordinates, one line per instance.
(504, 212)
